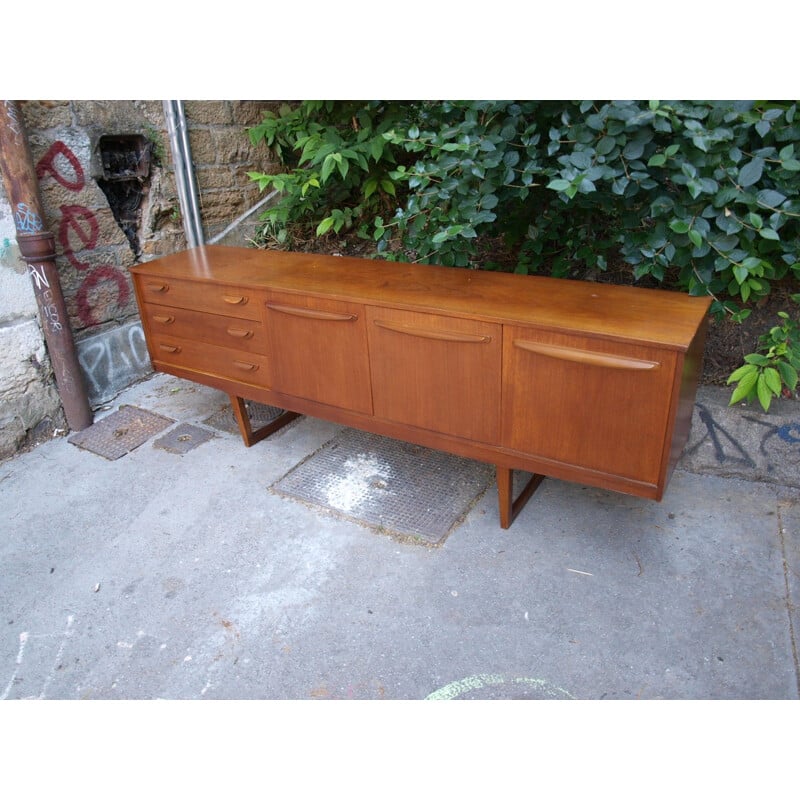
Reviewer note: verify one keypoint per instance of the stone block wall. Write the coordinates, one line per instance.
(104, 226)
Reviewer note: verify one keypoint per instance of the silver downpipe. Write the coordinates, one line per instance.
(185, 180)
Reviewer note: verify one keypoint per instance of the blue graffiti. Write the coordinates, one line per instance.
(786, 432)
(28, 221)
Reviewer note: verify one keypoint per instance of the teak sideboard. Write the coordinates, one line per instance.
(579, 381)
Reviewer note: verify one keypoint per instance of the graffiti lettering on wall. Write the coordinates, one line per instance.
(114, 360)
(27, 220)
(78, 231)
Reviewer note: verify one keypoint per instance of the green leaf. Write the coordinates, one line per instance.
(791, 164)
(559, 185)
(679, 226)
(788, 374)
(696, 238)
(757, 359)
(755, 220)
(328, 166)
(376, 147)
(388, 187)
(740, 272)
(770, 198)
(773, 380)
(746, 385)
(739, 373)
(751, 172)
(768, 233)
(763, 392)
(657, 160)
(370, 187)
(324, 226)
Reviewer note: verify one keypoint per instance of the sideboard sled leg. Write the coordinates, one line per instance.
(510, 507)
(246, 429)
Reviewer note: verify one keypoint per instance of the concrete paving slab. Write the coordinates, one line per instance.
(165, 575)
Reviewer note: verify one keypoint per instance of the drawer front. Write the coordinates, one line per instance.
(233, 332)
(319, 350)
(202, 296)
(249, 368)
(435, 372)
(589, 403)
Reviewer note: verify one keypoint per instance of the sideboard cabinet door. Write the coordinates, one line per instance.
(319, 350)
(587, 402)
(436, 372)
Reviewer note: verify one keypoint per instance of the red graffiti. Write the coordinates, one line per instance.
(78, 230)
(72, 218)
(97, 276)
(47, 166)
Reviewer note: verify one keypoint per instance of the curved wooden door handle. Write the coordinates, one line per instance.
(246, 365)
(312, 313)
(586, 356)
(158, 287)
(240, 333)
(234, 300)
(170, 348)
(432, 333)
(164, 319)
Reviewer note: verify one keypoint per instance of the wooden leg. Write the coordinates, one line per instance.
(509, 507)
(243, 421)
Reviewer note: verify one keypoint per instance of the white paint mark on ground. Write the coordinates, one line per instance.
(347, 492)
(477, 682)
(57, 661)
(23, 640)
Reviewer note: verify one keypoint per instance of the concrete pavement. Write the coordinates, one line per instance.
(187, 575)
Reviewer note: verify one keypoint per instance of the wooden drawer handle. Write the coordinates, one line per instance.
(586, 356)
(235, 300)
(240, 333)
(246, 366)
(170, 348)
(164, 319)
(430, 333)
(311, 313)
(158, 287)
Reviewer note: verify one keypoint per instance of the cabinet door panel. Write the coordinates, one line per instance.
(586, 402)
(319, 350)
(435, 372)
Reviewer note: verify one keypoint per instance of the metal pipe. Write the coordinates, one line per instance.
(240, 219)
(37, 247)
(184, 172)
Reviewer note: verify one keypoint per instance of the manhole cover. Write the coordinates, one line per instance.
(183, 438)
(120, 432)
(396, 487)
(260, 414)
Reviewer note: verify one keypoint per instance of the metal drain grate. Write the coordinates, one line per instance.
(260, 414)
(183, 438)
(398, 488)
(119, 433)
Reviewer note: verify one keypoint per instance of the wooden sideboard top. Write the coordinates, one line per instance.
(668, 319)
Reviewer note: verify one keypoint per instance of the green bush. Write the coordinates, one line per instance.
(702, 196)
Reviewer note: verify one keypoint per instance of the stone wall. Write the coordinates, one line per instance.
(106, 220)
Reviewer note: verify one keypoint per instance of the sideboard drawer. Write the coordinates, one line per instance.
(223, 299)
(587, 402)
(241, 334)
(209, 359)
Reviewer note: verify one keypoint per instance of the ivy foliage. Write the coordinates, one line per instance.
(701, 195)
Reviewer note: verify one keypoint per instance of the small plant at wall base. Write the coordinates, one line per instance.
(772, 371)
(700, 196)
